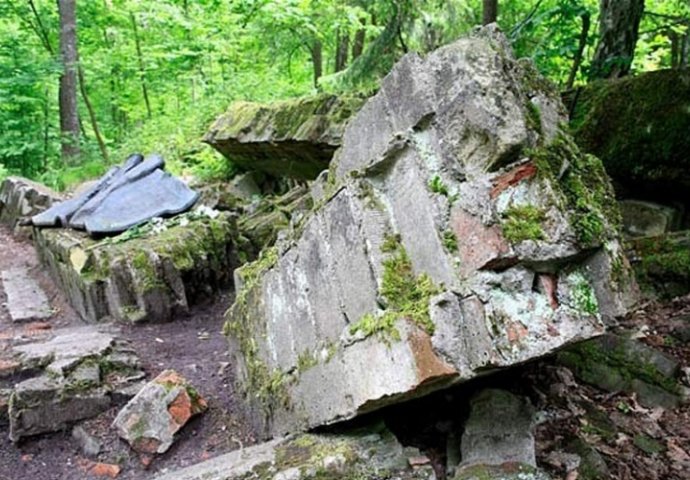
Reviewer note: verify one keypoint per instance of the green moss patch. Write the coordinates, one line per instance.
(663, 265)
(614, 363)
(523, 223)
(584, 187)
(407, 294)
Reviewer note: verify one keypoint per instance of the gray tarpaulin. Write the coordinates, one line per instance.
(124, 197)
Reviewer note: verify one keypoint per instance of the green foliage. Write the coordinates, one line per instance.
(436, 185)
(4, 173)
(450, 241)
(522, 223)
(198, 56)
(407, 294)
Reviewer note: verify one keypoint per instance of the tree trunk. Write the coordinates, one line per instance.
(358, 45)
(490, 11)
(317, 61)
(341, 52)
(675, 48)
(577, 61)
(69, 115)
(619, 23)
(92, 115)
(142, 71)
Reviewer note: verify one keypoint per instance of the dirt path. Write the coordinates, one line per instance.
(193, 346)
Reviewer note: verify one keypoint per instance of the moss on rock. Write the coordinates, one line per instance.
(639, 127)
(407, 294)
(584, 187)
(294, 138)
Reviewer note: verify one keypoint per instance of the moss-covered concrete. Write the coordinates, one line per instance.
(663, 264)
(407, 296)
(148, 273)
(295, 138)
(584, 187)
(639, 127)
(616, 363)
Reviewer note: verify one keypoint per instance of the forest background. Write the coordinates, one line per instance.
(84, 83)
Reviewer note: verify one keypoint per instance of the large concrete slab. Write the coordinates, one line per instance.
(26, 300)
(368, 453)
(449, 241)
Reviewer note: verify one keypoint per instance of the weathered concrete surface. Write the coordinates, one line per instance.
(150, 277)
(648, 219)
(151, 419)
(26, 300)
(294, 138)
(67, 377)
(21, 199)
(459, 232)
(501, 472)
(375, 454)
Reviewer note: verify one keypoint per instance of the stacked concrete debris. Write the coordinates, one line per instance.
(124, 197)
(64, 376)
(459, 231)
(21, 198)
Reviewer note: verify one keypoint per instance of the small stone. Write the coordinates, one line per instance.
(88, 444)
(289, 474)
(418, 461)
(98, 469)
(151, 419)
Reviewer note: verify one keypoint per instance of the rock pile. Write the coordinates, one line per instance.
(20, 199)
(69, 375)
(459, 231)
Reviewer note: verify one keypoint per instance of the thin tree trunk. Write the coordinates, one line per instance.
(69, 115)
(142, 74)
(317, 61)
(685, 50)
(46, 129)
(41, 30)
(577, 61)
(619, 24)
(358, 44)
(341, 53)
(92, 115)
(490, 11)
(675, 49)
